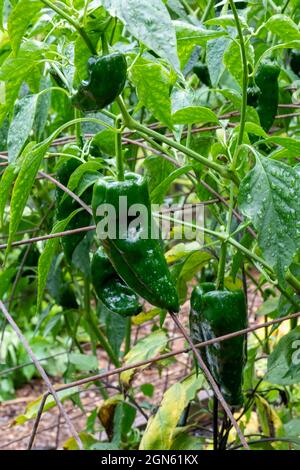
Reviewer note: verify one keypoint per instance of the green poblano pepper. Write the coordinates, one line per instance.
(110, 288)
(216, 313)
(266, 79)
(106, 80)
(295, 61)
(136, 255)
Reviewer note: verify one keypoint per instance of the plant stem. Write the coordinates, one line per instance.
(140, 128)
(222, 260)
(285, 6)
(293, 281)
(78, 129)
(119, 153)
(215, 422)
(221, 267)
(73, 22)
(87, 309)
(105, 50)
(128, 120)
(207, 10)
(245, 82)
(127, 335)
(181, 148)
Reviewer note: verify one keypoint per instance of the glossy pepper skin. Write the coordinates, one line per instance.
(266, 79)
(67, 205)
(110, 288)
(106, 80)
(201, 70)
(216, 313)
(295, 61)
(137, 257)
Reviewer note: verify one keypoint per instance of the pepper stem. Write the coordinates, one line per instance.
(105, 50)
(215, 422)
(119, 152)
(221, 267)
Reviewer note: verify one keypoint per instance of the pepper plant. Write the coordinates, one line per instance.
(182, 104)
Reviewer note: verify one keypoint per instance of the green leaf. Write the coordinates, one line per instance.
(88, 441)
(150, 23)
(1, 14)
(19, 19)
(21, 126)
(214, 58)
(30, 161)
(269, 307)
(232, 95)
(284, 361)
(189, 36)
(105, 141)
(159, 192)
(233, 61)
(5, 185)
(293, 145)
(6, 277)
(47, 255)
(237, 260)
(42, 108)
(180, 250)
(147, 389)
(255, 129)
(144, 349)
(15, 70)
(193, 115)
(157, 169)
(88, 169)
(194, 262)
(83, 362)
(152, 82)
(269, 196)
(284, 27)
(225, 21)
(292, 428)
(123, 420)
(33, 407)
(183, 441)
(177, 7)
(144, 317)
(115, 327)
(160, 429)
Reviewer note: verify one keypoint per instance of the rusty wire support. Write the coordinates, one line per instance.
(41, 370)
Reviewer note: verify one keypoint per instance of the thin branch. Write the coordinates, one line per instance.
(68, 191)
(40, 369)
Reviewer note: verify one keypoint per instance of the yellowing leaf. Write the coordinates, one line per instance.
(145, 316)
(33, 407)
(160, 430)
(146, 348)
(86, 439)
